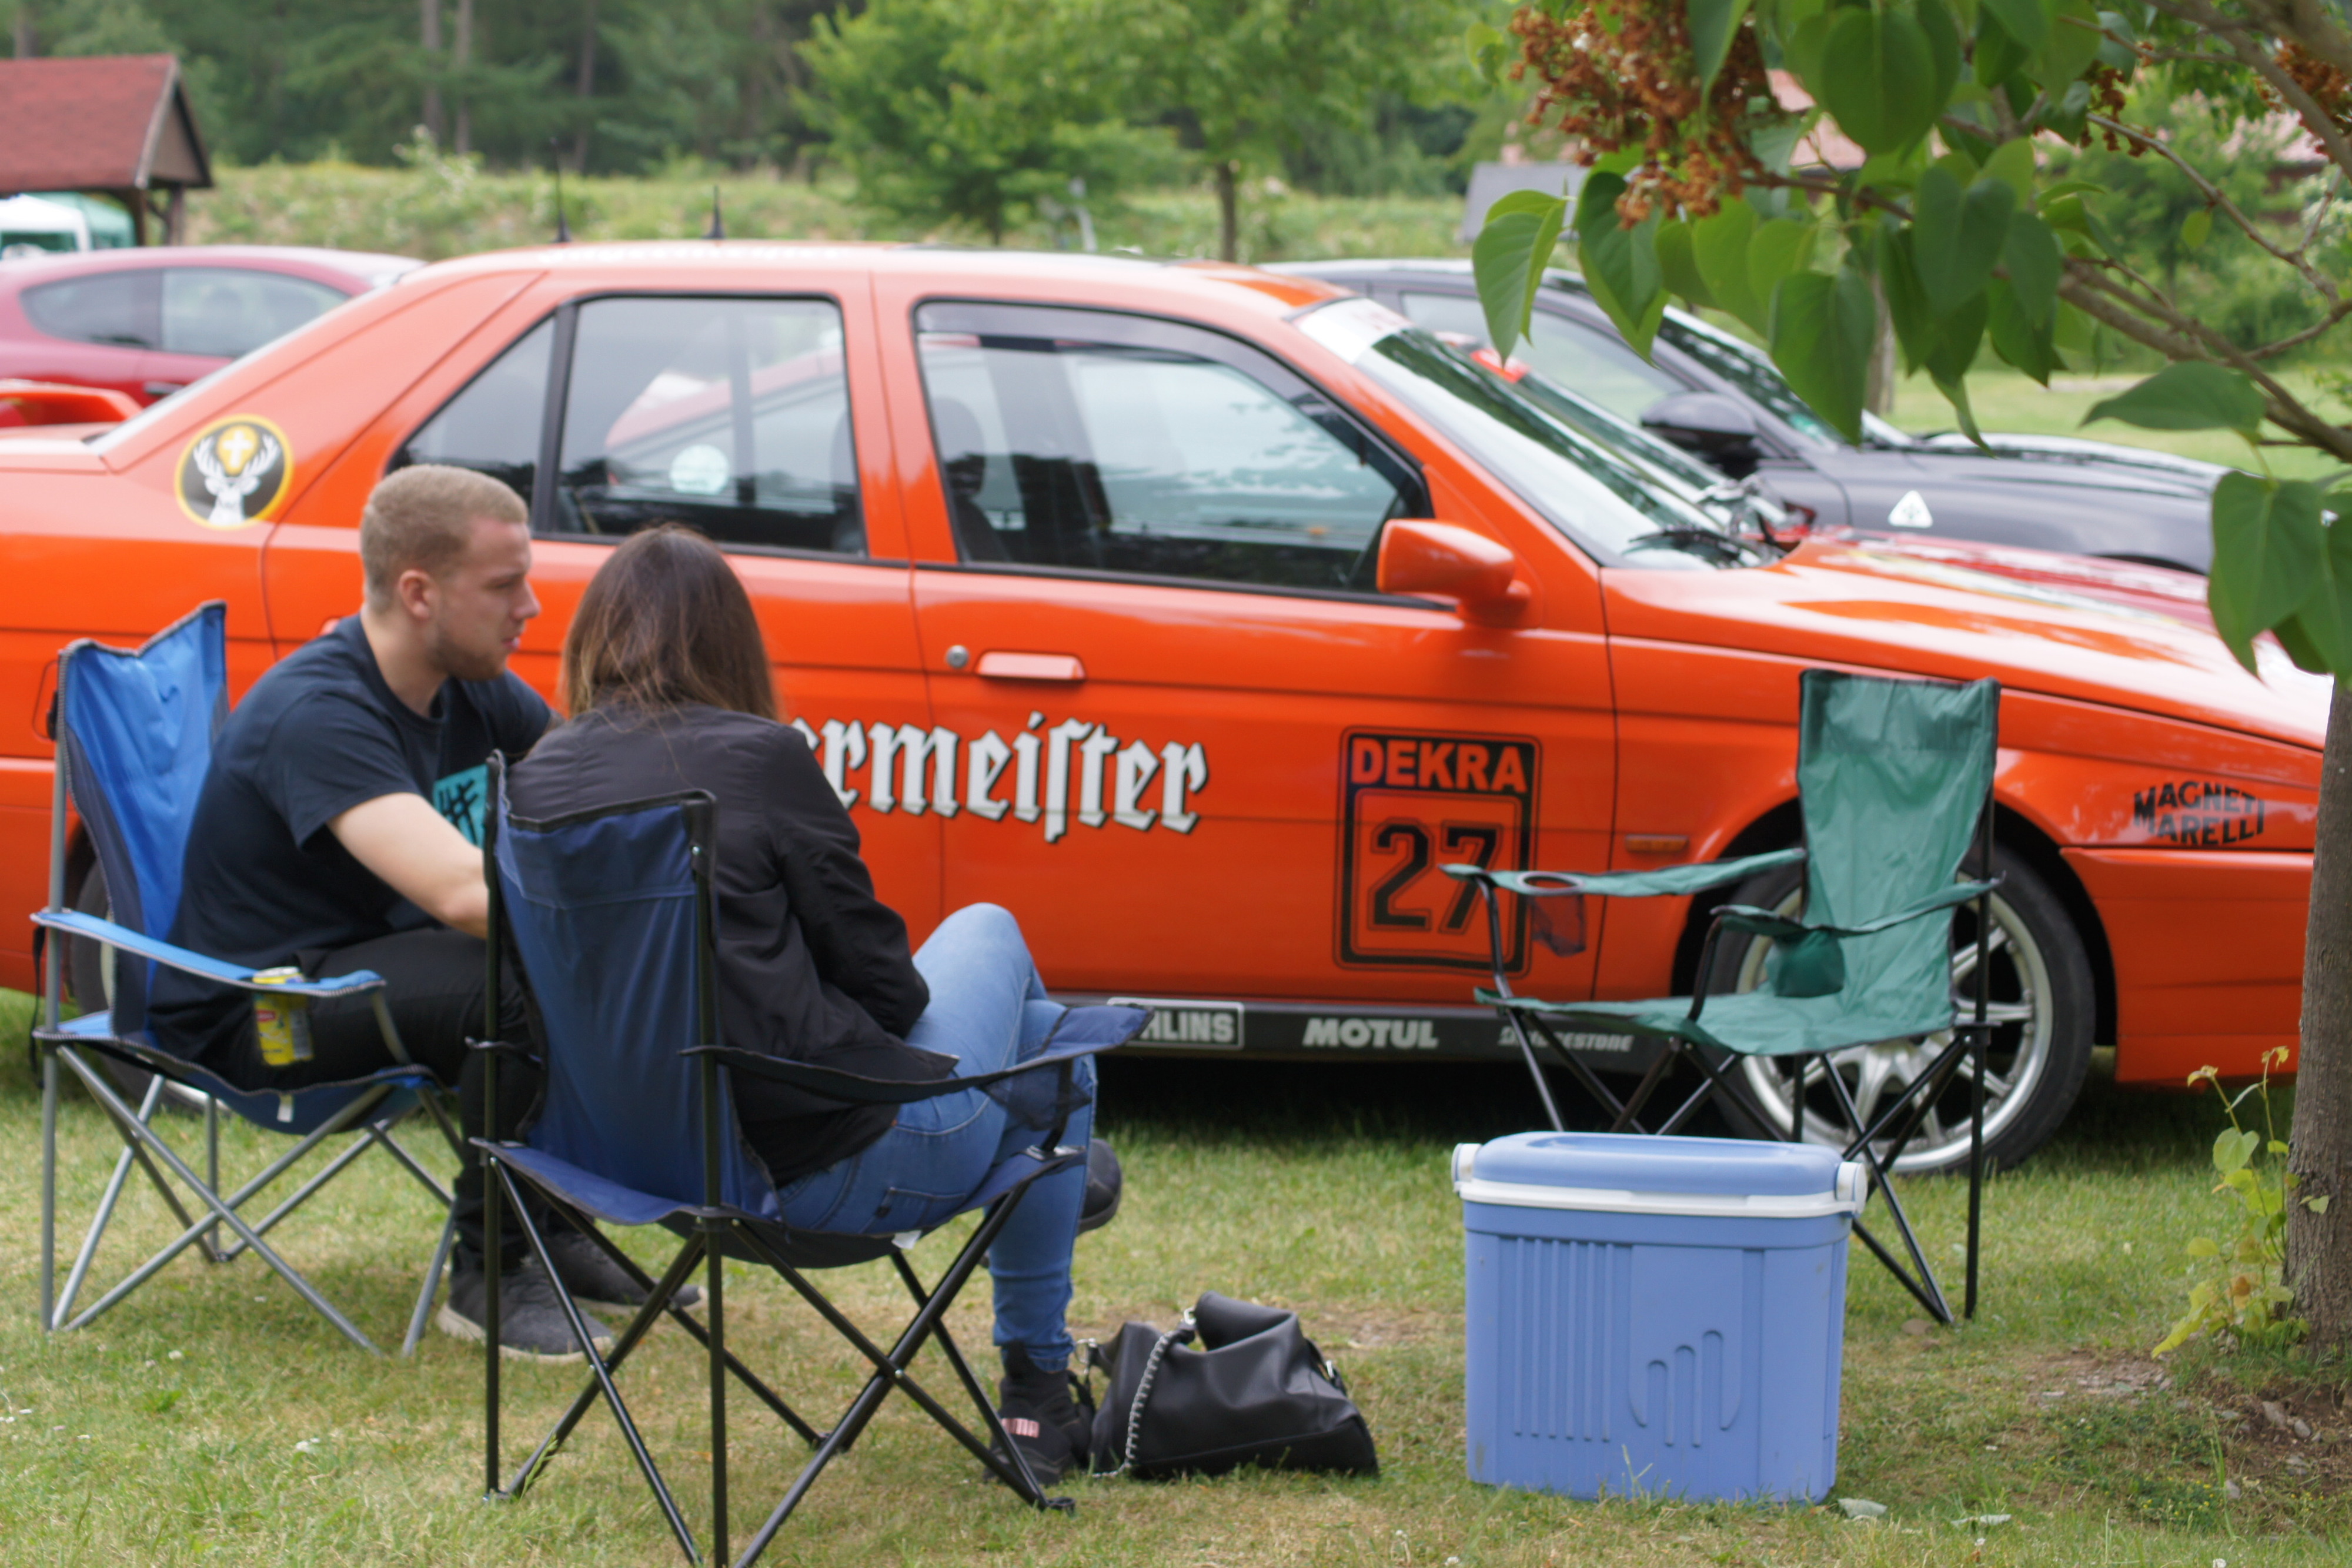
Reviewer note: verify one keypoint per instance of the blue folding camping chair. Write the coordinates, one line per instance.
(134, 735)
(610, 913)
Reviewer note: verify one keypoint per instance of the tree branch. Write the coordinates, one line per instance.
(2214, 198)
(2235, 31)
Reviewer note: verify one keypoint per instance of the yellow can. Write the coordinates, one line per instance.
(282, 1024)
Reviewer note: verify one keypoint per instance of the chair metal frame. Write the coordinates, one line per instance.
(1895, 1125)
(371, 1107)
(715, 1231)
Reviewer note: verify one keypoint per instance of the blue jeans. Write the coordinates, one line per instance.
(988, 1010)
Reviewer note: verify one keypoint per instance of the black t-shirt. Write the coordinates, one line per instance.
(319, 734)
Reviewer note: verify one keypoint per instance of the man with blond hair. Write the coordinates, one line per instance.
(339, 829)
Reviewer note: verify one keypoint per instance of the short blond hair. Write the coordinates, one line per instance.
(421, 520)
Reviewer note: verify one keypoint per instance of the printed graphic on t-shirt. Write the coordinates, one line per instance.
(462, 798)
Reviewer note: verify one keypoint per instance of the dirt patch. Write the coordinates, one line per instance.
(2272, 1447)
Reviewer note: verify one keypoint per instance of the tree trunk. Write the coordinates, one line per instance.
(430, 38)
(1229, 226)
(461, 58)
(29, 43)
(585, 85)
(2319, 1246)
(1878, 387)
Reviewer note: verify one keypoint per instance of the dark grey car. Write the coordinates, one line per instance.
(1716, 396)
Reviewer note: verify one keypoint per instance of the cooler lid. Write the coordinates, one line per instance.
(1629, 1173)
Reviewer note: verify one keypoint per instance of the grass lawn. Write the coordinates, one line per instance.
(213, 1417)
(2005, 399)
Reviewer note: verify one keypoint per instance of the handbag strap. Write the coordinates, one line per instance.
(1180, 1334)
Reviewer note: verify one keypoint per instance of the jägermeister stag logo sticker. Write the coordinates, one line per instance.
(234, 472)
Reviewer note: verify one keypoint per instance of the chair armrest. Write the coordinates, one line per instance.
(1781, 928)
(1671, 881)
(1083, 1031)
(216, 969)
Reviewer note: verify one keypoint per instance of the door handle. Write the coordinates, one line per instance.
(1001, 664)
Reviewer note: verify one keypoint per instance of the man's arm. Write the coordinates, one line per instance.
(414, 850)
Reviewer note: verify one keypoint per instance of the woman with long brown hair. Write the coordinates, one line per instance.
(667, 681)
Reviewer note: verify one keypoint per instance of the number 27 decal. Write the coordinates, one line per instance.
(1413, 802)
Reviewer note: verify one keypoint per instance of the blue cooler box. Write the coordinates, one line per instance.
(1655, 1316)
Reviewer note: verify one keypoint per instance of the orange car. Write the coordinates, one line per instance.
(1068, 566)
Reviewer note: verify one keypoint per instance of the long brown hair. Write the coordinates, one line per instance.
(664, 623)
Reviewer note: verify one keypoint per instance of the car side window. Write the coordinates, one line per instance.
(229, 310)
(492, 426)
(1085, 440)
(115, 308)
(1595, 363)
(730, 415)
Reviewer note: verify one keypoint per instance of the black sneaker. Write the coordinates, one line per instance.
(1043, 1417)
(595, 1281)
(531, 1325)
(1106, 1184)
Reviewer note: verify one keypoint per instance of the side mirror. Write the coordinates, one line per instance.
(1478, 574)
(52, 402)
(1710, 425)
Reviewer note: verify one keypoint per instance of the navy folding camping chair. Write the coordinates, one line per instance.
(134, 735)
(1895, 780)
(611, 915)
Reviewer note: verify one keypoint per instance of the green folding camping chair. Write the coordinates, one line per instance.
(1895, 778)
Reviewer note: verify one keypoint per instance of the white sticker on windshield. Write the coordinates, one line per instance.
(1350, 327)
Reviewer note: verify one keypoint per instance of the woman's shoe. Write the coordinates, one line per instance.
(1041, 1415)
(1106, 1184)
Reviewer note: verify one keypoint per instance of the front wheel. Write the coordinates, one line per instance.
(2041, 1007)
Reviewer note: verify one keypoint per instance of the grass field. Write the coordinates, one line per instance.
(211, 1418)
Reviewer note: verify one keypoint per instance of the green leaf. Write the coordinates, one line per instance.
(2027, 21)
(1917, 327)
(1956, 393)
(1778, 248)
(2068, 51)
(1678, 265)
(1490, 51)
(1878, 78)
(2232, 1147)
(1960, 235)
(2317, 1204)
(2034, 261)
(2196, 226)
(2266, 546)
(2012, 165)
(1713, 24)
(1822, 329)
(1943, 49)
(2203, 1247)
(2016, 337)
(1509, 256)
(1620, 264)
(1719, 251)
(1963, 336)
(2318, 637)
(2193, 394)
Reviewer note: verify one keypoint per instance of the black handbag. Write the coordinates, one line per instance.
(1254, 1391)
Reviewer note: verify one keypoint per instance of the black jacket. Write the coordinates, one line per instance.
(812, 966)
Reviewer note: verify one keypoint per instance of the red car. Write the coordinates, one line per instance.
(147, 322)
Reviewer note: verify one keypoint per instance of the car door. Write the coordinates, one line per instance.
(754, 419)
(1176, 729)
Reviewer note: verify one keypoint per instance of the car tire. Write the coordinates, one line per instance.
(2043, 1002)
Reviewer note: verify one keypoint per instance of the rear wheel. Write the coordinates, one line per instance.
(2040, 1007)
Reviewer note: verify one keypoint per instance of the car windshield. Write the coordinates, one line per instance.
(1595, 497)
(1755, 378)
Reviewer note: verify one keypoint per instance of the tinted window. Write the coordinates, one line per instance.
(1593, 362)
(730, 415)
(1139, 456)
(113, 308)
(1753, 374)
(230, 311)
(493, 426)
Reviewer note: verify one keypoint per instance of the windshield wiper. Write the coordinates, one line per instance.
(1695, 540)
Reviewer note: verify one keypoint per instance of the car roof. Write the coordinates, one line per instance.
(371, 268)
(1114, 279)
